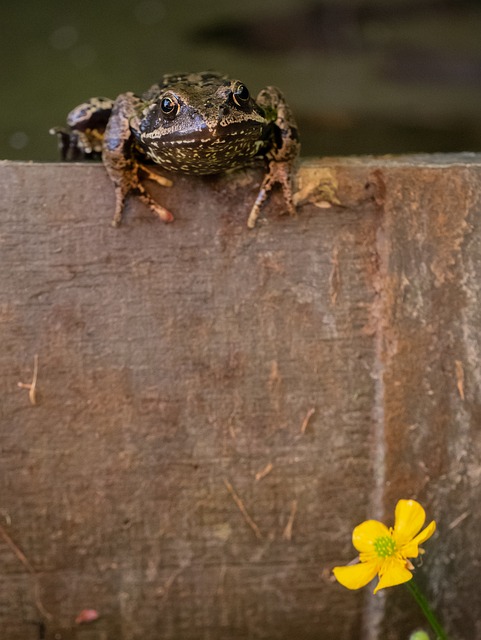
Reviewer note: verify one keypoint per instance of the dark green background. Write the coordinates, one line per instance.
(363, 77)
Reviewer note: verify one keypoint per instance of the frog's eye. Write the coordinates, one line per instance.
(169, 106)
(240, 94)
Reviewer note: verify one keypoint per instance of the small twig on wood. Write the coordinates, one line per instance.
(459, 377)
(26, 563)
(243, 510)
(457, 521)
(18, 552)
(334, 277)
(263, 472)
(305, 422)
(31, 386)
(220, 587)
(287, 535)
(163, 591)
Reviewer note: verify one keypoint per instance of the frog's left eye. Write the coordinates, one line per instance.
(170, 106)
(240, 94)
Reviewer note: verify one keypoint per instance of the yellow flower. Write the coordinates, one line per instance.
(384, 552)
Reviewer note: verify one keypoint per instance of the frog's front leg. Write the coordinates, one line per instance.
(281, 153)
(119, 159)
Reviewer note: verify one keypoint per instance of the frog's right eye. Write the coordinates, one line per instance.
(240, 94)
(169, 106)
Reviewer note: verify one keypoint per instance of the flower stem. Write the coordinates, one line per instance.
(418, 595)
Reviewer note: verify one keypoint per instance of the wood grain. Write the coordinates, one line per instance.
(176, 361)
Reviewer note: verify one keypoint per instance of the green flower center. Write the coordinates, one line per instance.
(385, 547)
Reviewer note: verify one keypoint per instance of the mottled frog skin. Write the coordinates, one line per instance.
(196, 123)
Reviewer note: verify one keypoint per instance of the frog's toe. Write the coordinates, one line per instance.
(281, 173)
(291, 209)
(120, 195)
(163, 213)
(156, 177)
(254, 214)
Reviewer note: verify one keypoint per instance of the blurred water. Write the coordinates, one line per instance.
(363, 77)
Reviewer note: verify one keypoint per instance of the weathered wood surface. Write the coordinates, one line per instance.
(177, 367)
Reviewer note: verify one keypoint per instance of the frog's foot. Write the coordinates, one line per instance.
(127, 180)
(279, 173)
(73, 145)
(163, 213)
(156, 208)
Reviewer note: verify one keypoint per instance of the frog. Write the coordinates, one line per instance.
(201, 123)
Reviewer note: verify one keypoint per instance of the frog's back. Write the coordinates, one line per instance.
(200, 79)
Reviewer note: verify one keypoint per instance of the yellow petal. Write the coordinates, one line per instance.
(411, 550)
(365, 534)
(356, 576)
(393, 572)
(425, 533)
(409, 517)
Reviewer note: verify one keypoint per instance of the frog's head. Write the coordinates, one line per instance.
(200, 123)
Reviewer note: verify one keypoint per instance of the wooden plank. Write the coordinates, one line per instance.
(178, 363)
(430, 361)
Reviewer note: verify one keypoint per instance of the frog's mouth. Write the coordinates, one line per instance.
(201, 134)
(203, 151)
